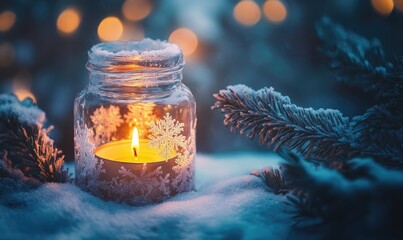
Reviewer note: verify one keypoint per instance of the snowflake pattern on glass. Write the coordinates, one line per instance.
(140, 185)
(184, 166)
(85, 160)
(139, 115)
(88, 167)
(166, 136)
(106, 122)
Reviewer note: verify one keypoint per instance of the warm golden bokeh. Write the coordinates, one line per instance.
(68, 21)
(247, 13)
(384, 7)
(136, 10)
(21, 86)
(186, 40)
(274, 11)
(6, 55)
(399, 5)
(23, 94)
(132, 31)
(7, 20)
(110, 29)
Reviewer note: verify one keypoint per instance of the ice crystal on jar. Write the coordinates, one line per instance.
(135, 124)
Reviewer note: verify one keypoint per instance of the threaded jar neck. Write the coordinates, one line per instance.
(135, 67)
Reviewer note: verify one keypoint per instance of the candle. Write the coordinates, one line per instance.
(144, 174)
(133, 150)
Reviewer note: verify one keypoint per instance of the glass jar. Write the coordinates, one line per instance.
(135, 124)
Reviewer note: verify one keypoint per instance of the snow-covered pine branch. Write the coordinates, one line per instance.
(25, 143)
(360, 61)
(323, 135)
(335, 202)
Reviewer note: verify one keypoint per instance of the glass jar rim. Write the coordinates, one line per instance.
(142, 56)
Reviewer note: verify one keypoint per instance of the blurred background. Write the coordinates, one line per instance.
(260, 43)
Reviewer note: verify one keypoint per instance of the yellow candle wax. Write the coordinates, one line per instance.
(122, 151)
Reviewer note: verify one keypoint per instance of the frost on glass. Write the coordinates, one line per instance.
(166, 136)
(146, 182)
(139, 115)
(105, 123)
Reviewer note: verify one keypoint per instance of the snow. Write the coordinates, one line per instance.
(145, 48)
(25, 111)
(229, 203)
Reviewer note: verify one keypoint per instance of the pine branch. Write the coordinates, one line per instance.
(333, 202)
(382, 116)
(323, 135)
(385, 146)
(319, 135)
(360, 61)
(273, 178)
(25, 144)
(335, 205)
(379, 133)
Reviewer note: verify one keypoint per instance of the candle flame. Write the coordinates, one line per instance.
(135, 142)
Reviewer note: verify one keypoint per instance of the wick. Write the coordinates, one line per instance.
(135, 152)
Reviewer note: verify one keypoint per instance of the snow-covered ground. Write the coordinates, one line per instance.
(229, 203)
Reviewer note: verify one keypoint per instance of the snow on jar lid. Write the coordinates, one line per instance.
(135, 56)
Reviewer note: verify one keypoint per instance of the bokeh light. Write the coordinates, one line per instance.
(399, 5)
(383, 7)
(186, 40)
(21, 86)
(274, 11)
(247, 13)
(6, 55)
(132, 31)
(136, 10)
(68, 21)
(110, 29)
(7, 20)
(23, 93)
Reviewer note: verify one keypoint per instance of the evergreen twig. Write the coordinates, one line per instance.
(273, 178)
(26, 145)
(342, 206)
(323, 135)
(360, 61)
(333, 202)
